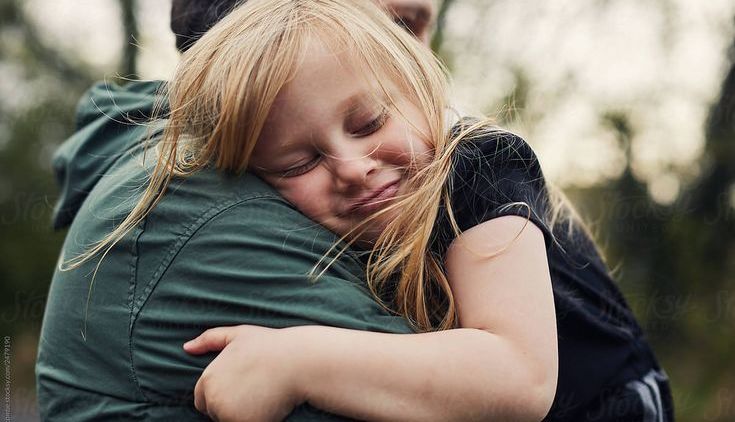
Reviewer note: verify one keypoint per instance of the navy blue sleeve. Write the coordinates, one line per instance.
(495, 175)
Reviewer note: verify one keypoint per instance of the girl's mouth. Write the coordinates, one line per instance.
(375, 200)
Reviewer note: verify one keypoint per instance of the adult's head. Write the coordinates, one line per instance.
(190, 19)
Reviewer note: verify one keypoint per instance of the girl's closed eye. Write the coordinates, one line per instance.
(300, 169)
(373, 125)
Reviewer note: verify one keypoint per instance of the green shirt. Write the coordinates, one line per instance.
(215, 251)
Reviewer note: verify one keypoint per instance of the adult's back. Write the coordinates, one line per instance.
(216, 250)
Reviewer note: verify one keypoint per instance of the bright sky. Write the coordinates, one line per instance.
(660, 62)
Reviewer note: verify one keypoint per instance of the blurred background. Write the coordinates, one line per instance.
(629, 104)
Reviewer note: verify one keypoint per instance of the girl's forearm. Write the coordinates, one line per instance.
(461, 374)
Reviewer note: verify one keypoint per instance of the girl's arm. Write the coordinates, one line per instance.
(501, 365)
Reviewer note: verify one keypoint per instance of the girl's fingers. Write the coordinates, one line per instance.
(212, 340)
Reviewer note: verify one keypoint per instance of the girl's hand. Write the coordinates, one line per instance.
(254, 378)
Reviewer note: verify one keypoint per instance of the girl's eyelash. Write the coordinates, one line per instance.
(374, 125)
(302, 169)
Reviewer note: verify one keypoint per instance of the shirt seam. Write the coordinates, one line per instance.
(139, 229)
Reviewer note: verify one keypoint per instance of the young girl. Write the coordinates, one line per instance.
(345, 115)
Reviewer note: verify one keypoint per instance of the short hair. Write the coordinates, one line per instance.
(190, 19)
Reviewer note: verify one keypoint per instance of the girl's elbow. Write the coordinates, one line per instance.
(540, 393)
(534, 392)
(544, 398)
(542, 370)
(522, 399)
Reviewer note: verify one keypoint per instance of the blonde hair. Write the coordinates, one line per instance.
(222, 93)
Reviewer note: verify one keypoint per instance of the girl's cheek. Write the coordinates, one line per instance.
(306, 193)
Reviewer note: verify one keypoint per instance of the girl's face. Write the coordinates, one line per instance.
(333, 150)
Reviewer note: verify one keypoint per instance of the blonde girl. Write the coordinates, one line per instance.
(345, 115)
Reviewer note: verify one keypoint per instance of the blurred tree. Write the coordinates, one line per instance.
(705, 242)
(36, 52)
(128, 67)
(676, 262)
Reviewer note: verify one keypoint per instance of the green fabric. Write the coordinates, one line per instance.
(216, 251)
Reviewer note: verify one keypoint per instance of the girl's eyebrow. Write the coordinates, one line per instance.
(352, 103)
(356, 102)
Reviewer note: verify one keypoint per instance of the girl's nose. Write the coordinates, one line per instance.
(352, 171)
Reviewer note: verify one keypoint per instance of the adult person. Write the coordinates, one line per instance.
(216, 250)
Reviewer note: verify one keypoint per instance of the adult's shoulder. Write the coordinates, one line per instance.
(134, 100)
(239, 235)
